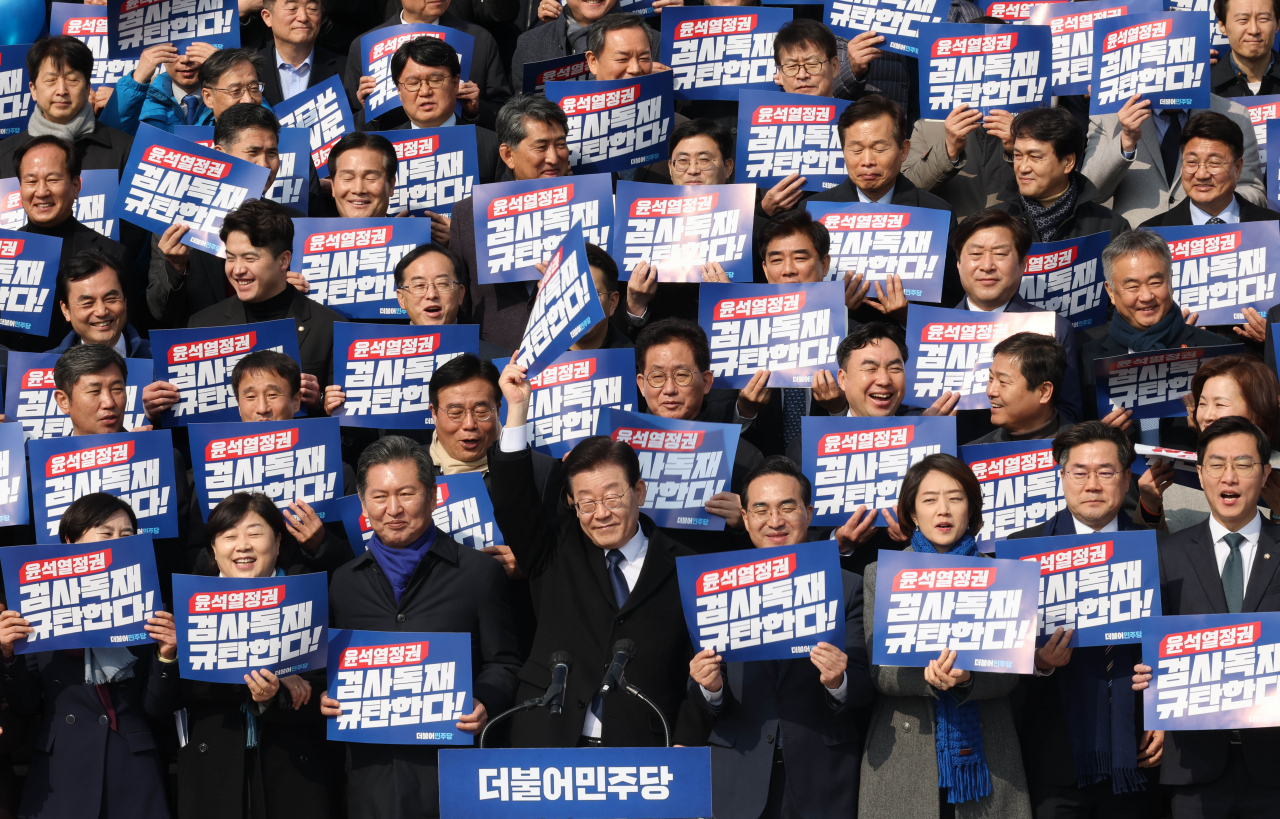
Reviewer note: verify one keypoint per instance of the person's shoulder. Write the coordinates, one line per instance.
(211, 316)
(10, 144)
(320, 311)
(1200, 337)
(932, 200)
(1030, 531)
(1226, 105)
(112, 135)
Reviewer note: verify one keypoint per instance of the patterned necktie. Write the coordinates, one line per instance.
(1233, 573)
(1149, 431)
(793, 407)
(620, 594)
(1216, 221)
(189, 102)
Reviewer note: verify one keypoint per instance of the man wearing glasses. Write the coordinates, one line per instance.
(231, 76)
(300, 63)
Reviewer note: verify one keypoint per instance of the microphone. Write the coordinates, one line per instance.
(560, 663)
(623, 650)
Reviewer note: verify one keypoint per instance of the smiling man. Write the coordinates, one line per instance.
(1022, 386)
(1249, 68)
(363, 168)
(298, 62)
(92, 299)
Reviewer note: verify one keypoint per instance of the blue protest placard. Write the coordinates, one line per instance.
(877, 241)
(136, 467)
(715, 53)
(523, 221)
(1220, 270)
(855, 462)
(135, 25)
(566, 306)
(14, 510)
(1273, 168)
(400, 688)
(616, 125)
(1021, 486)
(199, 361)
(199, 134)
(663, 783)
(781, 134)
(681, 228)
(1071, 25)
(764, 604)
(644, 8)
(464, 510)
(1015, 11)
(323, 111)
(15, 89)
(992, 68)
(1102, 585)
(683, 463)
(1211, 671)
(897, 21)
(537, 75)
(378, 46)
(88, 24)
(230, 626)
(1164, 57)
(791, 330)
(1205, 9)
(172, 181)
(354, 522)
(87, 595)
(350, 264)
(292, 185)
(438, 168)
(1152, 385)
(28, 395)
(1066, 277)
(1262, 109)
(28, 279)
(951, 351)
(297, 460)
(92, 208)
(569, 394)
(385, 370)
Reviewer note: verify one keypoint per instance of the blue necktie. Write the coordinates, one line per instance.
(793, 407)
(1149, 431)
(620, 594)
(190, 102)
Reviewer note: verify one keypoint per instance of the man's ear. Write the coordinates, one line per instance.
(1044, 393)
(593, 62)
(63, 401)
(297, 401)
(285, 259)
(826, 266)
(728, 167)
(66, 311)
(77, 184)
(640, 490)
(206, 95)
(506, 155)
(708, 378)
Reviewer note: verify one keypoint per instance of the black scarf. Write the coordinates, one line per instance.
(1163, 336)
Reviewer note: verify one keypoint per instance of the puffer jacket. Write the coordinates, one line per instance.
(133, 103)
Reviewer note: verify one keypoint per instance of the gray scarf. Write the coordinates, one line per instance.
(80, 126)
(1048, 220)
(574, 33)
(108, 665)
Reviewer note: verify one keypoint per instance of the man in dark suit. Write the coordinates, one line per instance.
(1065, 728)
(295, 63)
(1225, 565)
(416, 578)
(606, 573)
(1027, 370)
(809, 706)
(560, 36)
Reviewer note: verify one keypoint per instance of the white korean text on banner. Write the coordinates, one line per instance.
(1164, 57)
(1071, 25)
(385, 370)
(879, 241)
(791, 330)
(231, 626)
(1015, 11)
(1262, 109)
(616, 125)
(1066, 277)
(15, 92)
(952, 350)
(14, 509)
(136, 467)
(1218, 270)
(199, 361)
(781, 134)
(86, 595)
(464, 510)
(28, 277)
(524, 221)
(133, 26)
(399, 688)
(1152, 384)
(438, 167)
(855, 462)
(88, 24)
(992, 68)
(715, 53)
(680, 228)
(324, 112)
(28, 395)
(1021, 487)
(378, 46)
(350, 264)
(566, 306)
(683, 464)
(537, 75)
(1205, 8)
(898, 21)
(92, 208)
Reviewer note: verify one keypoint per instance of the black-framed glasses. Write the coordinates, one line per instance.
(792, 69)
(434, 83)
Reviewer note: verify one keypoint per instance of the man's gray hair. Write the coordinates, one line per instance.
(393, 449)
(85, 359)
(1140, 240)
(512, 117)
(598, 30)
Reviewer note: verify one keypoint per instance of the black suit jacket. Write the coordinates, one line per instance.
(1191, 584)
(324, 64)
(1180, 214)
(766, 430)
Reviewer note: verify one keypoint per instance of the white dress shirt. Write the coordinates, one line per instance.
(293, 80)
(633, 554)
(887, 199)
(1230, 214)
(1251, 531)
(970, 306)
(1085, 529)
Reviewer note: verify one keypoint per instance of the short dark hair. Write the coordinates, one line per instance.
(1040, 358)
(595, 452)
(1092, 432)
(596, 257)
(223, 60)
(1214, 126)
(778, 465)
(993, 218)
(1233, 425)
(862, 335)
(802, 32)
(374, 142)
(239, 118)
(950, 466)
(455, 261)
(670, 330)
(84, 264)
(511, 128)
(874, 106)
(791, 223)
(426, 51)
(599, 31)
(1055, 126)
(1220, 9)
(68, 150)
(391, 449)
(268, 361)
(703, 127)
(90, 511)
(63, 52)
(265, 223)
(463, 368)
(85, 359)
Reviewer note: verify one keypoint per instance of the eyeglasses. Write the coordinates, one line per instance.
(1080, 477)
(1213, 166)
(480, 412)
(1243, 467)
(588, 507)
(657, 379)
(442, 286)
(682, 163)
(254, 88)
(763, 512)
(435, 83)
(792, 69)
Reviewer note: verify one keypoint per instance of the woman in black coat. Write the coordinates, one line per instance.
(95, 755)
(257, 749)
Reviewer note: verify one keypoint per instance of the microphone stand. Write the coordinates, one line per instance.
(638, 694)
(527, 705)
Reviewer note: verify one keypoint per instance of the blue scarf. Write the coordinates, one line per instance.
(250, 710)
(962, 765)
(400, 564)
(1100, 717)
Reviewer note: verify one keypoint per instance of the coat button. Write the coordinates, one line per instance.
(581, 704)
(621, 620)
(102, 720)
(204, 748)
(906, 727)
(769, 739)
(71, 719)
(302, 758)
(399, 618)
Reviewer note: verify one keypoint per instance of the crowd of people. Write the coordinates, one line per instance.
(117, 732)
